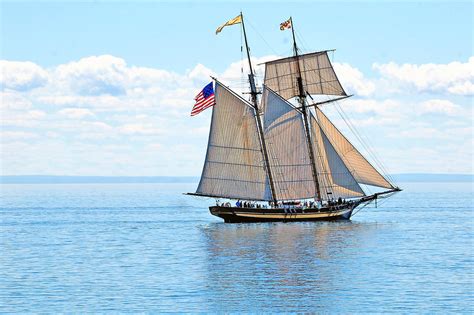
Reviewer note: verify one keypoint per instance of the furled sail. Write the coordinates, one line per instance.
(287, 148)
(316, 71)
(361, 169)
(234, 166)
(335, 179)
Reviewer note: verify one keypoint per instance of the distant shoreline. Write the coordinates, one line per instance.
(52, 179)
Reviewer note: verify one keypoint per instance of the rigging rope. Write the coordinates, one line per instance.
(301, 40)
(260, 35)
(362, 207)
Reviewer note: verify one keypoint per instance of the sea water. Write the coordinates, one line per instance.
(147, 247)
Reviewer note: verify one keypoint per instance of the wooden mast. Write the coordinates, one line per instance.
(302, 100)
(253, 93)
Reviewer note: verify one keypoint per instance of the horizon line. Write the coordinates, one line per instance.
(123, 179)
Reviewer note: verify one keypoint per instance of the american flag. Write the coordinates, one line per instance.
(204, 99)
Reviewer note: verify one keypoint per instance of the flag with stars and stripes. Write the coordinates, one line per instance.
(204, 99)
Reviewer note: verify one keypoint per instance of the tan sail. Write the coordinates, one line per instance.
(360, 168)
(317, 74)
(287, 149)
(335, 179)
(234, 165)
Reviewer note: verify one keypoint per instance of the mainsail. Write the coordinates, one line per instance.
(287, 149)
(234, 166)
(317, 74)
(360, 168)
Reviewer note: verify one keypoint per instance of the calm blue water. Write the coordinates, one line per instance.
(146, 247)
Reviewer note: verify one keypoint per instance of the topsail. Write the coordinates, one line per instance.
(317, 74)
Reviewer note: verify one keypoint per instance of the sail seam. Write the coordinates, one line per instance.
(236, 164)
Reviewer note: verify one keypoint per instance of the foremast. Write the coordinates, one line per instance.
(254, 100)
(302, 101)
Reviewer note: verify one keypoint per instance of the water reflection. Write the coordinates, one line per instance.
(285, 265)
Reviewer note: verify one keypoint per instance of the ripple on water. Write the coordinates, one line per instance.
(136, 248)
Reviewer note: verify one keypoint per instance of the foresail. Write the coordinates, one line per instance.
(335, 179)
(316, 70)
(361, 169)
(287, 148)
(234, 166)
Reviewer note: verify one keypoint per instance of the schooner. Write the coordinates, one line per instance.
(280, 161)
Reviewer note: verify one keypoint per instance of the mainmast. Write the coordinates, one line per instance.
(253, 94)
(302, 101)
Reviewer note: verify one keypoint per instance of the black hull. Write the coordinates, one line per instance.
(248, 215)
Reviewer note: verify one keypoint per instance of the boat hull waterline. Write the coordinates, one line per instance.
(242, 215)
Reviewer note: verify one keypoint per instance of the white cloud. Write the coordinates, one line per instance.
(96, 125)
(109, 75)
(455, 77)
(76, 113)
(109, 84)
(353, 80)
(21, 75)
(16, 135)
(102, 102)
(385, 107)
(435, 133)
(389, 112)
(155, 78)
(52, 134)
(419, 132)
(440, 106)
(36, 114)
(140, 129)
(95, 75)
(26, 119)
(466, 88)
(13, 100)
(201, 73)
(90, 107)
(154, 146)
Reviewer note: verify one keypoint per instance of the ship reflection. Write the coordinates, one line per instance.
(280, 263)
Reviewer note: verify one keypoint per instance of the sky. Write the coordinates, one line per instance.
(106, 88)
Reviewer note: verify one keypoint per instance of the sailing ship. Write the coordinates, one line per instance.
(280, 161)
